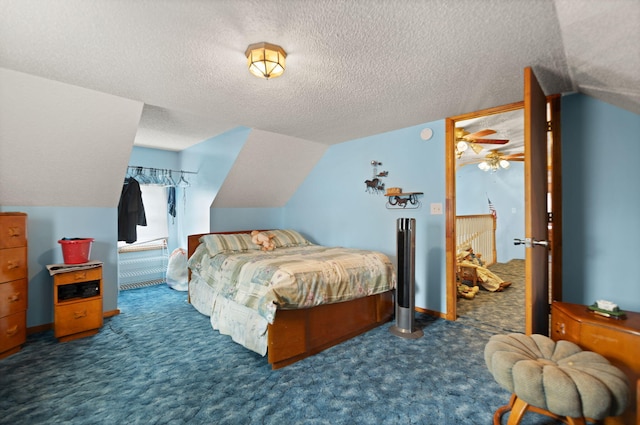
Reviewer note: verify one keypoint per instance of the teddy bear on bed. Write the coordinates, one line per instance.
(263, 240)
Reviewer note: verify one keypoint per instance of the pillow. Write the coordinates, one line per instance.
(235, 242)
(195, 261)
(288, 238)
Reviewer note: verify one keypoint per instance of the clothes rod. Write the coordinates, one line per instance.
(165, 170)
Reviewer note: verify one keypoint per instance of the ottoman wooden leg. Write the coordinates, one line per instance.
(518, 408)
(517, 411)
(497, 416)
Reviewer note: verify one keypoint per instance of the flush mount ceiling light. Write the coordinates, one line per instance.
(265, 60)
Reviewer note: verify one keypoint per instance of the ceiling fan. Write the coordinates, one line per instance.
(496, 160)
(464, 140)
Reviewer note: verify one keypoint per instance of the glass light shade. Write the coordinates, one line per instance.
(476, 148)
(483, 166)
(265, 60)
(504, 163)
(462, 146)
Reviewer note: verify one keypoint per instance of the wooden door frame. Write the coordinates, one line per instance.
(555, 233)
(450, 200)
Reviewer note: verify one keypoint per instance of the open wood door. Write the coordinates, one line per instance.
(535, 179)
(541, 152)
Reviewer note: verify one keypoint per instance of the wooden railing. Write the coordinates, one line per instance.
(480, 231)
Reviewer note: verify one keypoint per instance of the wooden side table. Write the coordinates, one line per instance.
(77, 299)
(616, 339)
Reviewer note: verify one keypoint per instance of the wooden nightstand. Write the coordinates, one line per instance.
(617, 340)
(77, 300)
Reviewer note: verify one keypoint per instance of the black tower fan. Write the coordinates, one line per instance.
(405, 290)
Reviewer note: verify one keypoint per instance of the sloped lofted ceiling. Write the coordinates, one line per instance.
(354, 68)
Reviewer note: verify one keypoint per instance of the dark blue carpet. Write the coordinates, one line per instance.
(159, 362)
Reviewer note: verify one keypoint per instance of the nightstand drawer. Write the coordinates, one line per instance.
(13, 331)
(564, 326)
(13, 264)
(13, 297)
(75, 317)
(78, 276)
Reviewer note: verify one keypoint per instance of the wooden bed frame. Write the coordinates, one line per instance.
(297, 334)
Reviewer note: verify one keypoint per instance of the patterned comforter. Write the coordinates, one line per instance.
(293, 277)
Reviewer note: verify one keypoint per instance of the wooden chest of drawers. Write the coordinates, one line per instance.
(617, 340)
(13, 282)
(77, 300)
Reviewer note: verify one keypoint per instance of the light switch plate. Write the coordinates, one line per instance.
(436, 208)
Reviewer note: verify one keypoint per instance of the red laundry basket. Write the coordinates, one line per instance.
(76, 250)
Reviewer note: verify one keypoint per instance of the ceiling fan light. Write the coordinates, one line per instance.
(483, 166)
(504, 163)
(462, 146)
(265, 60)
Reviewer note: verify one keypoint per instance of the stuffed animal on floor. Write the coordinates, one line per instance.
(468, 292)
(263, 240)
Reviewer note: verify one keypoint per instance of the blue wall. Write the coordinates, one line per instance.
(601, 200)
(333, 208)
(505, 188)
(227, 219)
(212, 160)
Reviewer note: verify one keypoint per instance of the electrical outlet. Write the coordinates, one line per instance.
(436, 209)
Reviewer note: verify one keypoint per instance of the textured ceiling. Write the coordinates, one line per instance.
(354, 68)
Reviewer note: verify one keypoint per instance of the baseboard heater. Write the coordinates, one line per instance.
(141, 265)
(405, 290)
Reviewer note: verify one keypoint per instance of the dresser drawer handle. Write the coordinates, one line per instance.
(80, 275)
(14, 297)
(79, 314)
(13, 264)
(12, 331)
(14, 232)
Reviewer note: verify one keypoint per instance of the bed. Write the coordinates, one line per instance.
(276, 304)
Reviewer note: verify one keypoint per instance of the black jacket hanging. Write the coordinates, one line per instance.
(171, 202)
(130, 211)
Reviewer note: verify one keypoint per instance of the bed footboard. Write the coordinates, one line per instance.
(297, 334)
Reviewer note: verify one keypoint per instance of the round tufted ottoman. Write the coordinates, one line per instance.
(557, 379)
